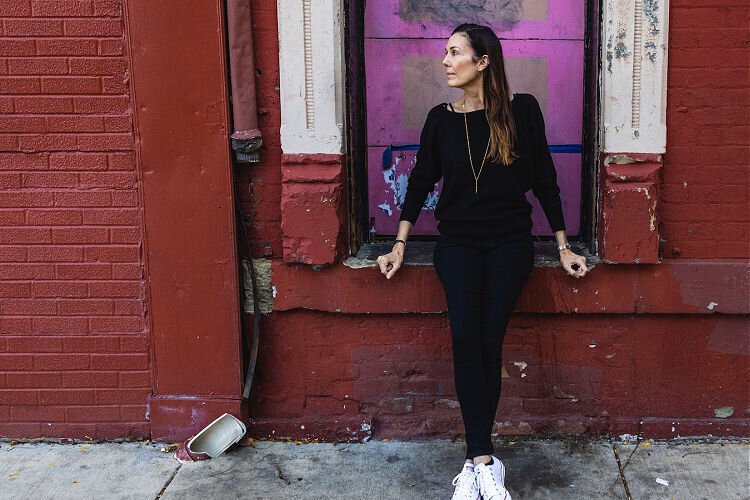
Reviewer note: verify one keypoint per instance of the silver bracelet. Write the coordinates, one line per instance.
(562, 247)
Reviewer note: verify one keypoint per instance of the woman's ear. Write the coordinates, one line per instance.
(484, 61)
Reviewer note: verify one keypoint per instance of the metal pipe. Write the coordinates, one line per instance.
(246, 137)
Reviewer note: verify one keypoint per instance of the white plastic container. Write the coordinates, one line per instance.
(217, 436)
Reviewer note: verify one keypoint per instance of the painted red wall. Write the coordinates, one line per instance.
(647, 352)
(706, 181)
(75, 343)
(74, 346)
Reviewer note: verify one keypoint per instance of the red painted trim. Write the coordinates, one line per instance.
(176, 418)
(406, 427)
(179, 89)
(672, 287)
(313, 208)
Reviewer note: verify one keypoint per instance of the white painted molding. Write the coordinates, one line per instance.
(634, 81)
(312, 75)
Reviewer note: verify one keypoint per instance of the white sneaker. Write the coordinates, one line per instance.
(491, 480)
(466, 484)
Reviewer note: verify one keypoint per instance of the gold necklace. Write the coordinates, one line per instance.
(468, 146)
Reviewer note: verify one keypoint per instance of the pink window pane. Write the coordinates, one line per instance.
(405, 79)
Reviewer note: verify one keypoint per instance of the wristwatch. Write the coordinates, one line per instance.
(562, 247)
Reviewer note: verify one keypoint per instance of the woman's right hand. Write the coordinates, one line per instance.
(391, 262)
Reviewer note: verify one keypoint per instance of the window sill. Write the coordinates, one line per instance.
(420, 254)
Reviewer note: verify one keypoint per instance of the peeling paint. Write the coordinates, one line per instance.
(711, 305)
(618, 160)
(652, 217)
(450, 403)
(650, 9)
(398, 184)
(521, 367)
(621, 50)
(385, 207)
(357, 263)
(724, 412)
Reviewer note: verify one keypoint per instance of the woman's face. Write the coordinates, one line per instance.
(458, 62)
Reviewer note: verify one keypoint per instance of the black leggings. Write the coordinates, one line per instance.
(482, 280)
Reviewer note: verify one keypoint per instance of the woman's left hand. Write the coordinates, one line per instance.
(574, 264)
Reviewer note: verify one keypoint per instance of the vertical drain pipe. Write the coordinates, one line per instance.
(246, 140)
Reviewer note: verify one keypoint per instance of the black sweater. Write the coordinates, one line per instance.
(500, 208)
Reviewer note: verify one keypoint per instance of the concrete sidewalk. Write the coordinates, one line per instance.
(536, 468)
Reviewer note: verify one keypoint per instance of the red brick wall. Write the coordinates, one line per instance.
(73, 341)
(705, 204)
(260, 185)
(73, 338)
(323, 374)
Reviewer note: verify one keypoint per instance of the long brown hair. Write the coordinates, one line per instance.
(497, 96)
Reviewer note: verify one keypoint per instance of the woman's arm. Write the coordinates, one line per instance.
(573, 263)
(422, 179)
(391, 262)
(547, 191)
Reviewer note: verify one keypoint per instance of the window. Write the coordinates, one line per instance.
(402, 42)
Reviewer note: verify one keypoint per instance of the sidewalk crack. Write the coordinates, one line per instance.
(169, 481)
(281, 474)
(621, 469)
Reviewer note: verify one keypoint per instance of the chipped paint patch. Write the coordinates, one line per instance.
(724, 412)
(398, 182)
(711, 305)
(618, 160)
(650, 11)
(644, 190)
(652, 217)
(449, 403)
(521, 367)
(621, 50)
(385, 207)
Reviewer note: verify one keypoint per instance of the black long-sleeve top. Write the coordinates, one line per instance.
(499, 209)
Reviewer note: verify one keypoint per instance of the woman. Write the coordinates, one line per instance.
(490, 148)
